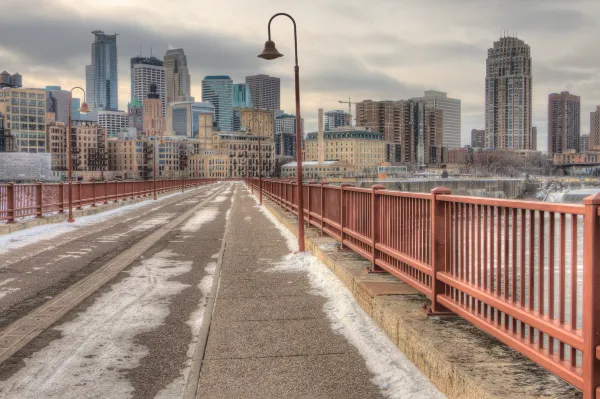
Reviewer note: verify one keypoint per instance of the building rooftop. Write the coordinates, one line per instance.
(314, 163)
(215, 77)
(347, 133)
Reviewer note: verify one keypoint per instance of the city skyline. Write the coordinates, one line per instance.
(449, 57)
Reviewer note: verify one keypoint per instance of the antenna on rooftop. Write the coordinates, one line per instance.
(140, 49)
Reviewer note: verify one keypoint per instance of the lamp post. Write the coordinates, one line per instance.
(154, 144)
(259, 157)
(271, 53)
(84, 110)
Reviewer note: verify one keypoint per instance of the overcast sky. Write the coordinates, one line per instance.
(376, 49)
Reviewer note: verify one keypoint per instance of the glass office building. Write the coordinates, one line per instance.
(101, 76)
(218, 90)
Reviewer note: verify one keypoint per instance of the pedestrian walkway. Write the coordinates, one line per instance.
(270, 335)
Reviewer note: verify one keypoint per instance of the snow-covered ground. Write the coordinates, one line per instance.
(395, 375)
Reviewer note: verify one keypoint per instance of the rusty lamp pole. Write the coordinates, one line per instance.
(271, 53)
(259, 158)
(84, 109)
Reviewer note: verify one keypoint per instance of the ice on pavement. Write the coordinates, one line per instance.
(98, 345)
(199, 218)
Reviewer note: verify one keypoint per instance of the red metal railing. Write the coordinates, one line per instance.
(24, 200)
(527, 273)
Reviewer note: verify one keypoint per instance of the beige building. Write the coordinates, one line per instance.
(237, 154)
(24, 111)
(594, 140)
(153, 122)
(88, 146)
(319, 171)
(364, 150)
(260, 122)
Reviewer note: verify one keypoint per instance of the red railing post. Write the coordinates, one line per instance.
(342, 213)
(61, 197)
(39, 212)
(80, 203)
(10, 202)
(94, 193)
(106, 191)
(591, 296)
(438, 250)
(375, 216)
(322, 205)
(132, 190)
(307, 201)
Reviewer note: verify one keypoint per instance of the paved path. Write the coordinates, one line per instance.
(269, 336)
(146, 327)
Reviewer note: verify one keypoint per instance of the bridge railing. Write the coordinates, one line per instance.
(527, 273)
(42, 199)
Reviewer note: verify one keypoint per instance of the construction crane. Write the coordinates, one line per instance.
(350, 103)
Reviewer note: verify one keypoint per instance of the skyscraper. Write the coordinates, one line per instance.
(337, 118)
(101, 76)
(144, 72)
(177, 76)
(218, 90)
(285, 135)
(241, 96)
(57, 102)
(508, 88)
(265, 91)
(564, 120)
(153, 123)
(477, 138)
(451, 115)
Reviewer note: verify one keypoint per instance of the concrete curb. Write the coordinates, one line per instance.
(8, 228)
(461, 360)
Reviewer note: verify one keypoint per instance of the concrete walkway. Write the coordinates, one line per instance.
(269, 336)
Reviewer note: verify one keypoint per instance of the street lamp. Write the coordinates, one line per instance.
(84, 110)
(259, 157)
(271, 53)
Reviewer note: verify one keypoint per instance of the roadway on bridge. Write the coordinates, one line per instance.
(114, 306)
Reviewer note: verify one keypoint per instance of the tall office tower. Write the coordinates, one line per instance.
(154, 123)
(218, 90)
(144, 72)
(57, 102)
(477, 138)
(534, 138)
(337, 118)
(451, 109)
(415, 128)
(584, 143)
(241, 95)
(101, 76)
(265, 91)
(177, 76)
(564, 120)
(2, 136)
(594, 144)
(285, 135)
(114, 122)
(26, 123)
(508, 88)
(135, 111)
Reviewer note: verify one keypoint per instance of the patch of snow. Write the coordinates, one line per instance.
(147, 224)
(201, 217)
(98, 347)
(8, 280)
(4, 291)
(248, 218)
(176, 388)
(220, 198)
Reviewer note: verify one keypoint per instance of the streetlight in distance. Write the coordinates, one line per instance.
(83, 109)
(270, 53)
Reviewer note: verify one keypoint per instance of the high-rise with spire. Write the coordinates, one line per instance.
(508, 91)
(101, 76)
(144, 72)
(177, 76)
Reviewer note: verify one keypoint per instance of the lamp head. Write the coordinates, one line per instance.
(84, 109)
(270, 52)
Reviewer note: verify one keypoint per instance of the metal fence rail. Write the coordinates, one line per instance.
(527, 273)
(39, 200)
